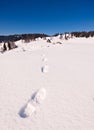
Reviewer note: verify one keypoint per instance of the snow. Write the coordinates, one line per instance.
(69, 84)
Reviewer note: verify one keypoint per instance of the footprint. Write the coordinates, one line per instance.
(44, 59)
(30, 108)
(45, 69)
(40, 96)
(43, 55)
(27, 110)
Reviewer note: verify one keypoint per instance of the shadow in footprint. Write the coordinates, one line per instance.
(21, 112)
(34, 95)
(42, 68)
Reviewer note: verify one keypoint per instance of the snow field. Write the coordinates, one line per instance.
(69, 84)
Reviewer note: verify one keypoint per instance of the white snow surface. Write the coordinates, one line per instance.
(69, 83)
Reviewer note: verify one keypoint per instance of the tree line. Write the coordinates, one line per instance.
(83, 34)
(30, 37)
(25, 37)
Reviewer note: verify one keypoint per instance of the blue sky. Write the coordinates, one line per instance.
(46, 16)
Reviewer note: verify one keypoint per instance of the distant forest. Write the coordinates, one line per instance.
(26, 37)
(29, 37)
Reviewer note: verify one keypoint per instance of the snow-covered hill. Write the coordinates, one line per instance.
(46, 86)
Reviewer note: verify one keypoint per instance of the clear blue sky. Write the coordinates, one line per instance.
(46, 16)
